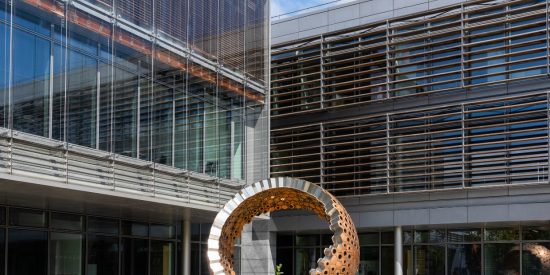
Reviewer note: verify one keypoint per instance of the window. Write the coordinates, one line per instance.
(27, 217)
(501, 258)
(31, 76)
(2, 249)
(102, 225)
(163, 231)
(2, 215)
(135, 229)
(464, 259)
(134, 256)
(102, 255)
(162, 258)
(67, 221)
(66, 254)
(24, 245)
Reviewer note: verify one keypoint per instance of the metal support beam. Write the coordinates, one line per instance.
(186, 248)
(398, 251)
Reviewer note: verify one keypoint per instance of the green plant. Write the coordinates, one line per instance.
(278, 269)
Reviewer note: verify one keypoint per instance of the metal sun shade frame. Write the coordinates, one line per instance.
(275, 194)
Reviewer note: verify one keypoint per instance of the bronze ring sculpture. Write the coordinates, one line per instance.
(341, 258)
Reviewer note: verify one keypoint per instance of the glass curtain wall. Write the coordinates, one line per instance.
(199, 249)
(297, 253)
(517, 250)
(73, 244)
(80, 78)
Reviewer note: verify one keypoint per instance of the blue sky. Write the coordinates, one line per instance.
(279, 7)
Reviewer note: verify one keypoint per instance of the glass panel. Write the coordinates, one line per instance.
(58, 92)
(204, 260)
(387, 263)
(102, 225)
(105, 103)
(179, 252)
(2, 215)
(304, 259)
(2, 250)
(135, 229)
(429, 259)
(102, 256)
(204, 28)
(536, 233)
(285, 239)
(205, 231)
(536, 258)
(125, 112)
(163, 231)
(31, 85)
(145, 118)
(237, 259)
(180, 120)
(210, 132)
(81, 99)
(370, 260)
(198, 103)
(368, 238)
(195, 258)
(24, 245)
(501, 258)
(67, 221)
(326, 239)
(4, 72)
(27, 217)
(285, 257)
(32, 19)
(502, 234)
(161, 119)
(307, 240)
(196, 232)
(387, 237)
(66, 254)
(429, 236)
(407, 237)
(255, 45)
(408, 260)
(135, 253)
(466, 235)
(162, 258)
(464, 259)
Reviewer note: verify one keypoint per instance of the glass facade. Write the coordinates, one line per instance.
(69, 243)
(297, 253)
(462, 251)
(199, 249)
(177, 83)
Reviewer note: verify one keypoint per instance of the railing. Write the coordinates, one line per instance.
(38, 158)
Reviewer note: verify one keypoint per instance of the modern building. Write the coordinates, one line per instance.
(124, 126)
(429, 120)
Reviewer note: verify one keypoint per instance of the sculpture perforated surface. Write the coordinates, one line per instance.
(341, 258)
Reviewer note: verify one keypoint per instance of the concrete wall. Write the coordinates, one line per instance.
(258, 248)
(506, 205)
(346, 16)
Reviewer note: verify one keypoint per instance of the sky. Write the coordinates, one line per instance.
(279, 7)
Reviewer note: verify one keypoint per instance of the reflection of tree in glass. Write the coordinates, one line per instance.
(464, 259)
(536, 258)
